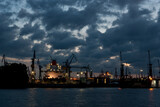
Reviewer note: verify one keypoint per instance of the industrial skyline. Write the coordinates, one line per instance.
(95, 31)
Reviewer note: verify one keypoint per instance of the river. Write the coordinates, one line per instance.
(79, 97)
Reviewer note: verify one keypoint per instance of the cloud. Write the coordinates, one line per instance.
(55, 28)
(63, 40)
(35, 31)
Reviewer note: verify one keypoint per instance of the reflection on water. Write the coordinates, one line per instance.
(151, 89)
(76, 97)
(32, 97)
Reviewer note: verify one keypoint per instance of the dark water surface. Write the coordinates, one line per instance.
(76, 97)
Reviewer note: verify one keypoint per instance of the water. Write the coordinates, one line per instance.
(76, 97)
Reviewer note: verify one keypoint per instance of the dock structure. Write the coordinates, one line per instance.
(82, 79)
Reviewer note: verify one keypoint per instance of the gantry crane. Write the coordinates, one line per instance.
(68, 64)
(87, 68)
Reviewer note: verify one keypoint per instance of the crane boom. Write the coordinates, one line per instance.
(68, 63)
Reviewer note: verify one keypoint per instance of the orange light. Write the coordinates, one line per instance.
(73, 79)
(150, 78)
(150, 89)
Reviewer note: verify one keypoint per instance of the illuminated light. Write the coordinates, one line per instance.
(105, 81)
(108, 73)
(150, 78)
(77, 75)
(81, 73)
(150, 89)
(74, 79)
(104, 74)
(153, 83)
(141, 70)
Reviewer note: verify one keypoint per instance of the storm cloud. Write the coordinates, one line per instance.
(96, 31)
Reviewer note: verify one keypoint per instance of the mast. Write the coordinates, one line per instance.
(158, 66)
(40, 69)
(149, 64)
(121, 67)
(32, 65)
(116, 73)
(126, 72)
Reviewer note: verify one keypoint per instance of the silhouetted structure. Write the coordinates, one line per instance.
(116, 73)
(32, 66)
(68, 63)
(121, 67)
(13, 76)
(4, 60)
(149, 64)
(158, 67)
(40, 69)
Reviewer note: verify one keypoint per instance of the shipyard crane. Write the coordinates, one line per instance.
(122, 67)
(68, 63)
(33, 60)
(52, 59)
(87, 68)
(90, 71)
(40, 69)
(115, 75)
(32, 66)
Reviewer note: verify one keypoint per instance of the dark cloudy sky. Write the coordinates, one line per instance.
(95, 30)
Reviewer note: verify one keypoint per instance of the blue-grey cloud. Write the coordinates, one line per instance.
(55, 22)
